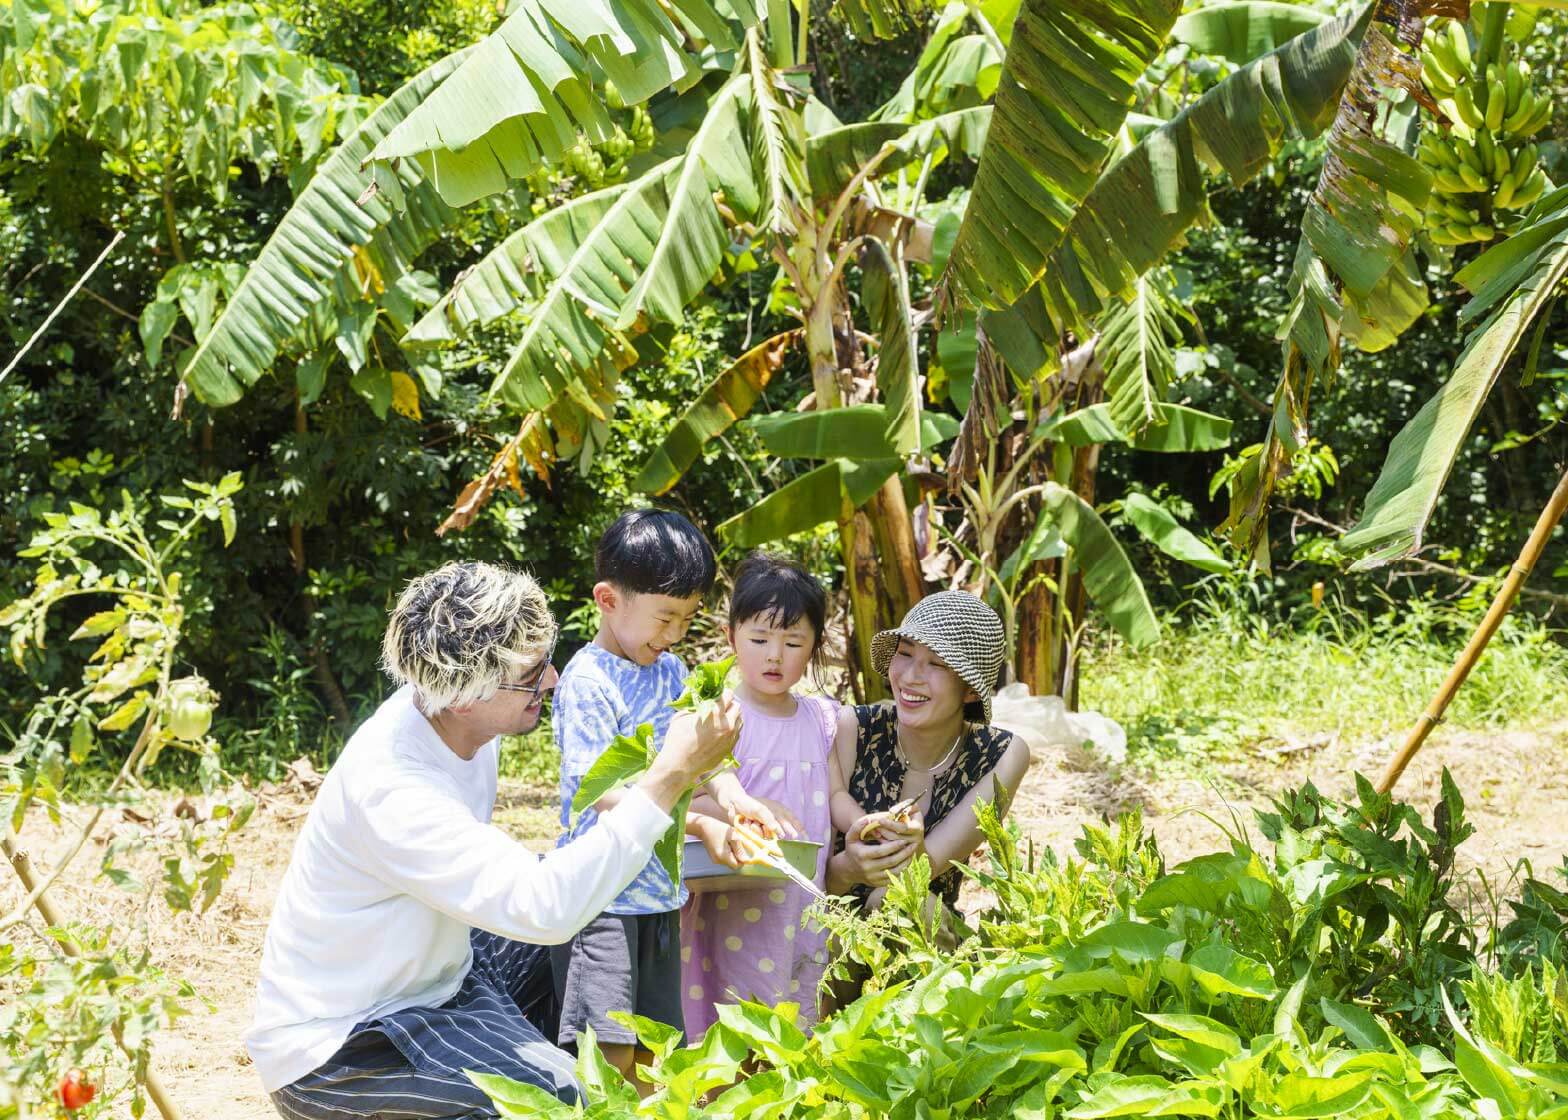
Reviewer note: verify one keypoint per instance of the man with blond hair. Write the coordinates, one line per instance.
(407, 944)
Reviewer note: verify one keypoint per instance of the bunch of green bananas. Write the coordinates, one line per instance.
(589, 166)
(598, 166)
(1483, 161)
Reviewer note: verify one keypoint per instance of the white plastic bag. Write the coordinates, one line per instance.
(1045, 724)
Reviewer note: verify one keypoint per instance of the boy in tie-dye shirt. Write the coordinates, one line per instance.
(653, 569)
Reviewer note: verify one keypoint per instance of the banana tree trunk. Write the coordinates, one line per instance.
(1038, 647)
(877, 543)
(894, 532)
(1086, 467)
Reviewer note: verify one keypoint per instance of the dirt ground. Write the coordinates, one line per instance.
(1515, 784)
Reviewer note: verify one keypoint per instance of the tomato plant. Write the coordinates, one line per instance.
(75, 1091)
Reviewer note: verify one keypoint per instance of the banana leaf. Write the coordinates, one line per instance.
(857, 432)
(833, 157)
(830, 493)
(1109, 576)
(879, 19)
(691, 240)
(1176, 428)
(1241, 31)
(777, 146)
(1142, 206)
(1162, 530)
(565, 342)
(1515, 281)
(302, 267)
(885, 289)
(726, 399)
(954, 71)
(656, 246)
(525, 91)
(1134, 348)
(509, 276)
(1067, 83)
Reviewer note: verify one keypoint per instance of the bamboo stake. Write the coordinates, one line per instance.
(59, 307)
(1533, 547)
(23, 866)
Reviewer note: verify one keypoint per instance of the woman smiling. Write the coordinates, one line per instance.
(931, 745)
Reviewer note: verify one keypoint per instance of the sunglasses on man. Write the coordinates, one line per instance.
(537, 676)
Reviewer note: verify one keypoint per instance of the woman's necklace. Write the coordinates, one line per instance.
(929, 771)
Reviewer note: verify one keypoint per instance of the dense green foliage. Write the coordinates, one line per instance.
(344, 502)
(1327, 971)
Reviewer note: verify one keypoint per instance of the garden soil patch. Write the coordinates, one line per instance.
(1515, 785)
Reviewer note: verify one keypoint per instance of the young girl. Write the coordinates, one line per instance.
(752, 944)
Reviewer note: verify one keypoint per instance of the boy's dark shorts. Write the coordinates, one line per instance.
(619, 963)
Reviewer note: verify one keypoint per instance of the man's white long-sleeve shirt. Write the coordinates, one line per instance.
(397, 862)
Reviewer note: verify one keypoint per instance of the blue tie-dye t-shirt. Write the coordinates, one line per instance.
(599, 697)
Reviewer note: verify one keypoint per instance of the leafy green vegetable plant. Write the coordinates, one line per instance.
(628, 756)
(1243, 983)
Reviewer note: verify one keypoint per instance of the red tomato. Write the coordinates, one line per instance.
(75, 1090)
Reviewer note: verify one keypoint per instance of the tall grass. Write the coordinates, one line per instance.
(1225, 675)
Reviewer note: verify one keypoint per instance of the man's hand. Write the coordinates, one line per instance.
(691, 749)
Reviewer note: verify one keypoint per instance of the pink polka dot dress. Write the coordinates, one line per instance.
(752, 943)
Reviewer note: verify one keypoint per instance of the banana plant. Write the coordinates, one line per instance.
(1513, 285)
(753, 180)
(1073, 204)
(1383, 193)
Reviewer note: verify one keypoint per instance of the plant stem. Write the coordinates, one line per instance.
(781, 47)
(987, 32)
(169, 219)
(1533, 547)
(1493, 41)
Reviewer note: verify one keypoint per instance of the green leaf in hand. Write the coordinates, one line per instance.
(704, 686)
(626, 757)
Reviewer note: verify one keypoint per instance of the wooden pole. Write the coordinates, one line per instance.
(51, 915)
(1533, 547)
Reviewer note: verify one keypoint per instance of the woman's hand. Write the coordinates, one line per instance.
(886, 827)
(872, 863)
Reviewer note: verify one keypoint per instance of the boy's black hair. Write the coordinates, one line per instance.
(767, 583)
(655, 552)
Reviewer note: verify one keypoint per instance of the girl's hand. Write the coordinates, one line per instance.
(787, 824)
(722, 843)
(766, 817)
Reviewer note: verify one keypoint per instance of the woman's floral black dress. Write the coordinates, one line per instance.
(878, 778)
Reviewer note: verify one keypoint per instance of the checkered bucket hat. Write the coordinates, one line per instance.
(961, 630)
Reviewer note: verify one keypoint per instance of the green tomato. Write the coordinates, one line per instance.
(189, 710)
